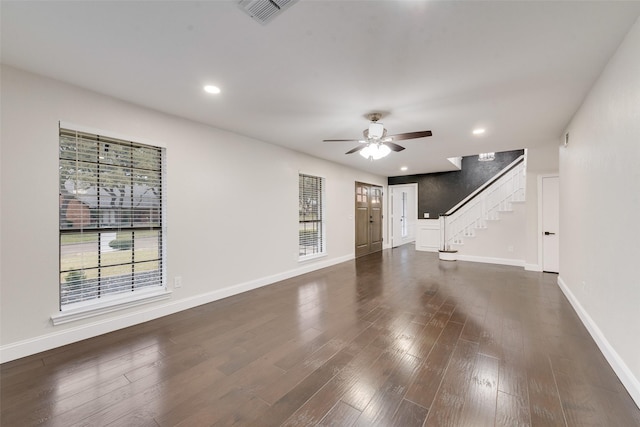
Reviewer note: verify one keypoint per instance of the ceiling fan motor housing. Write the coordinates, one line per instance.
(376, 130)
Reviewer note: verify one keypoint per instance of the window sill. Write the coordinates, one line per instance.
(115, 304)
(312, 257)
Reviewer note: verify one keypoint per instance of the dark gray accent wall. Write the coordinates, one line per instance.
(439, 192)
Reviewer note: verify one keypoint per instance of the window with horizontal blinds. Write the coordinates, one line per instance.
(111, 218)
(311, 230)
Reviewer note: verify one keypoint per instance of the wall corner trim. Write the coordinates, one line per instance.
(630, 382)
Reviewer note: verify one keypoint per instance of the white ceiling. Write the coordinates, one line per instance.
(520, 69)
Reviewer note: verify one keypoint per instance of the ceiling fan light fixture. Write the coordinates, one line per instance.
(376, 130)
(375, 151)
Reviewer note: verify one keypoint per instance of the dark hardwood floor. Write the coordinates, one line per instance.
(396, 338)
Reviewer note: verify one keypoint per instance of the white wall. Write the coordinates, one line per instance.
(600, 212)
(428, 237)
(502, 242)
(541, 160)
(232, 208)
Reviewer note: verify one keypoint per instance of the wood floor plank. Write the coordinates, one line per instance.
(459, 314)
(140, 397)
(513, 372)
(544, 400)
(175, 363)
(290, 378)
(448, 404)
(36, 391)
(360, 394)
(429, 335)
(20, 366)
(296, 397)
(409, 414)
(512, 411)
(578, 403)
(491, 336)
(263, 342)
(341, 415)
(233, 408)
(321, 403)
(480, 402)
(396, 338)
(45, 411)
(429, 376)
(387, 399)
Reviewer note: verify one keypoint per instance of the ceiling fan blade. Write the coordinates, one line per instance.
(355, 150)
(394, 147)
(411, 135)
(340, 140)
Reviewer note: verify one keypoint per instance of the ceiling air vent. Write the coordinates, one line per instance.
(264, 11)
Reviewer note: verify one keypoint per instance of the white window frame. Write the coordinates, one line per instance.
(137, 296)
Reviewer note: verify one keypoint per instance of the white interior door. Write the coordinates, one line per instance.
(550, 224)
(403, 201)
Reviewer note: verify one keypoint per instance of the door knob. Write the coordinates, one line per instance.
(548, 233)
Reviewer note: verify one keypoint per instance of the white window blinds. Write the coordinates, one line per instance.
(311, 228)
(111, 218)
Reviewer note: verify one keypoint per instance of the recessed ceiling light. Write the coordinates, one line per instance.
(478, 131)
(404, 168)
(212, 89)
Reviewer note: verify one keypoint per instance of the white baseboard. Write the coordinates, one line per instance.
(55, 339)
(491, 260)
(630, 382)
(532, 267)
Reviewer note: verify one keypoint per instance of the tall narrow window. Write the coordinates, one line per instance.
(111, 219)
(311, 216)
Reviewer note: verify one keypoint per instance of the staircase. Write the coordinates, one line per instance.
(484, 205)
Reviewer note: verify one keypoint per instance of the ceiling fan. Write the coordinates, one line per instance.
(376, 143)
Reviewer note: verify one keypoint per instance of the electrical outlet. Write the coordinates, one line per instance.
(426, 214)
(177, 282)
(510, 248)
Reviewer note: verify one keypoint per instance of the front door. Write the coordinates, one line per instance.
(368, 218)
